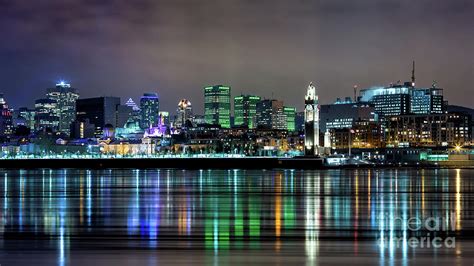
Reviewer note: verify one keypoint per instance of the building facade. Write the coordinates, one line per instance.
(270, 115)
(290, 114)
(46, 115)
(434, 130)
(245, 110)
(184, 113)
(217, 105)
(149, 108)
(345, 115)
(65, 97)
(99, 112)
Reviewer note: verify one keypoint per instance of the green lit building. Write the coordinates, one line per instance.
(245, 109)
(217, 105)
(290, 113)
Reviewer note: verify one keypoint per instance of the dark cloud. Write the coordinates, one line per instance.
(265, 47)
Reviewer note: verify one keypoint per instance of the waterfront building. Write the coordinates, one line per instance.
(270, 115)
(65, 97)
(362, 134)
(290, 114)
(345, 114)
(388, 101)
(245, 110)
(46, 115)
(6, 118)
(434, 130)
(101, 111)
(427, 100)
(311, 131)
(217, 105)
(184, 113)
(149, 108)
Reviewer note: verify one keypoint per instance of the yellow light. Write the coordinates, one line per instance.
(458, 147)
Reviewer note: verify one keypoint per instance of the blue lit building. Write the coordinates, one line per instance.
(149, 109)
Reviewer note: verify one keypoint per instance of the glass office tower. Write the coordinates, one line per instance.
(217, 105)
(245, 109)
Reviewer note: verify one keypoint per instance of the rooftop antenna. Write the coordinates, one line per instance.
(413, 75)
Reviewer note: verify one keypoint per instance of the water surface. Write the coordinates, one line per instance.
(151, 217)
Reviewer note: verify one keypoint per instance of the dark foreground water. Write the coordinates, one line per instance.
(285, 217)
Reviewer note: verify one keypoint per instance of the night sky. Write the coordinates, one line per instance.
(175, 47)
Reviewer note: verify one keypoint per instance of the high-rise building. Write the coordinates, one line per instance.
(290, 114)
(311, 128)
(270, 115)
(388, 101)
(28, 115)
(6, 118)
(65, 97)
(217, 105)
(135, 115)
(149, 108)
(184, 112)
(99, 111)
(427, 100)
(245, 110)
(46, 114)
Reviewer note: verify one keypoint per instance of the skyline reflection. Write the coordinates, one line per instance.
(226, 210)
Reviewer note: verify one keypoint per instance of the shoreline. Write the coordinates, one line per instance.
(202, 163)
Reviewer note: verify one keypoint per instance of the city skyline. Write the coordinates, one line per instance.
(170, 48)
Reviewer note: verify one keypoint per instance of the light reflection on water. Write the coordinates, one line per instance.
(363, 213)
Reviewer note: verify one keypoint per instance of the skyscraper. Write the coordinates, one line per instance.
(311, 128)
(99, 112)
(245, 110)
(217, 105)
(149, 108)
(28, 115)
(135, 114)
(427, 100)
(184, 112)
(270, 115)
(46, 114)
(290, 114)
(65, 98)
